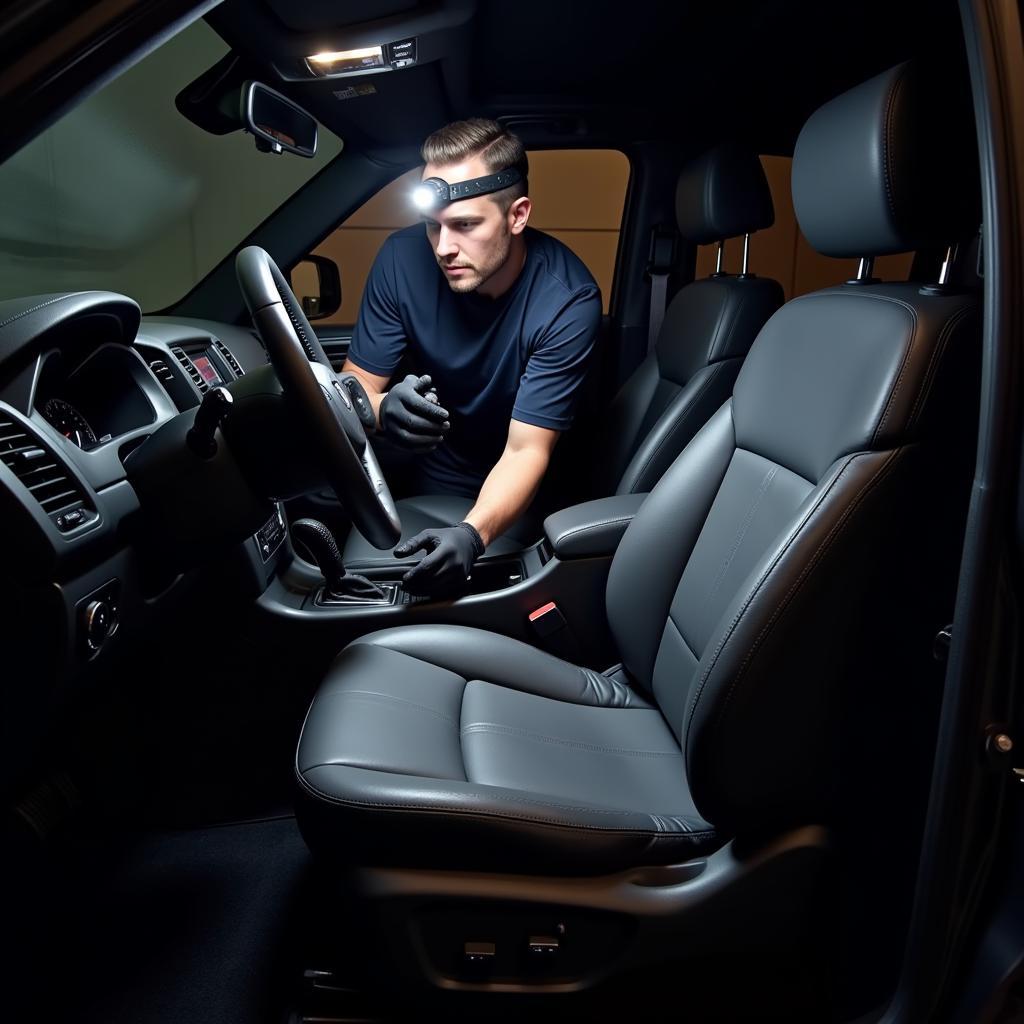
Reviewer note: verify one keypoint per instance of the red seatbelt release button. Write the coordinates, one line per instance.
(547, 619)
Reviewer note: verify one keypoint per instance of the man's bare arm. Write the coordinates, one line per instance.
(511, 484)
(373, 384)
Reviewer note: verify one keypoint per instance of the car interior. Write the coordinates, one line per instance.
(670, 752)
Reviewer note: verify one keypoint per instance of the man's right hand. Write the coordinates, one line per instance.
(412, 419)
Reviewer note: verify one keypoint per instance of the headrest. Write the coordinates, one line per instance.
(722, 194)
(888, 167)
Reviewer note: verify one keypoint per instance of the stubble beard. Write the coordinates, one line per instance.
(479, 274)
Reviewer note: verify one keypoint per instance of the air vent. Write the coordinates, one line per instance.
(162, 371)
(44, 476)
(228, 358)
(197, 378)
(336, 349)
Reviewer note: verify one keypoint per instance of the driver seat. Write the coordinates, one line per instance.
(761, 601)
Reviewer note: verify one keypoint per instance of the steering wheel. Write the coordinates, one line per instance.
(310, 383)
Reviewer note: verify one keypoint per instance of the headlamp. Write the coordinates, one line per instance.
(435, 193)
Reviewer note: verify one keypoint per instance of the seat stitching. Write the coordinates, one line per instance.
(508, 730)
(42, 305)
(738, 297)
(894, 391)
(476, 813)
(565, 534)
(744, 529)
(874, 296)
(462, 752)
(387, 697)
(833, 535)
(719, 320)
(666, 821)
(541, 656)
(679, 421)
(936, 357)
(753, 593)
(690, 649)
(887, 160)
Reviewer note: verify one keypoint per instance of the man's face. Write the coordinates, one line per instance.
(472, 237)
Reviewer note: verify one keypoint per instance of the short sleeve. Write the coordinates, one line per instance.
(379, 338)
(549, 387)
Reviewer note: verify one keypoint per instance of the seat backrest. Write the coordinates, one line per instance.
(707, 331)
(808, 507)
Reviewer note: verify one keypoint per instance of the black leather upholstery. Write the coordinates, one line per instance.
(591, 528)
(707, 331)
(788, 530)
(502, 753)
(773, 516)
(721, 194)
(896, 132)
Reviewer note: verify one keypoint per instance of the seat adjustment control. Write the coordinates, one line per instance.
(542, 947)
(479, 952)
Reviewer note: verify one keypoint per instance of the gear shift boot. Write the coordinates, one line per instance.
(341, 587)
(389, 595)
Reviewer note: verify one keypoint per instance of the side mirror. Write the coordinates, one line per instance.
(317, 285)
(278, 124)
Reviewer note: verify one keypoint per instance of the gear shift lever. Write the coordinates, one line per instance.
(320, 543)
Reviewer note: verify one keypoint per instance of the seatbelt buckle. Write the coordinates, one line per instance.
(553, 632)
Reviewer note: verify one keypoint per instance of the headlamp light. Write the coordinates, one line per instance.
(436, 193)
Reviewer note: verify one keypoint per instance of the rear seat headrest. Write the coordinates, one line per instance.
(721, 194)
(888, 167)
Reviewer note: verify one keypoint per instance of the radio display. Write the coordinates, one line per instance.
(206, 370)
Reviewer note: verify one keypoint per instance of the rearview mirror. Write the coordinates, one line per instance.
(278, 124)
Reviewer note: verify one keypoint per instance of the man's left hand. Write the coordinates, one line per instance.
(451, 552)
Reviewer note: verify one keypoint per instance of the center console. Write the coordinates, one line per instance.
(561, 578)
(489, 575)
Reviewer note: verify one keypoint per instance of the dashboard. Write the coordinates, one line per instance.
(84, 381)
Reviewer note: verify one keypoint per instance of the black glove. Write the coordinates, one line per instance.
(411, 417)
(452, 550)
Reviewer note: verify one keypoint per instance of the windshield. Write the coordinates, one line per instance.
(126, 194)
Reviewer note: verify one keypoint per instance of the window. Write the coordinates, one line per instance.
(578, 196)
(782, 252)
(124, 193)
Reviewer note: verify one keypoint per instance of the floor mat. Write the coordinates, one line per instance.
(178, 927)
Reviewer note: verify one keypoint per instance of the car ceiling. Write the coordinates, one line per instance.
(617, 72)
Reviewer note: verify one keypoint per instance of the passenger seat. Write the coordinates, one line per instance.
(708, 329)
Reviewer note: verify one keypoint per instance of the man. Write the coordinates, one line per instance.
(499, 318)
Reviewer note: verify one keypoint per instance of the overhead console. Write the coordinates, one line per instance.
(323, 39)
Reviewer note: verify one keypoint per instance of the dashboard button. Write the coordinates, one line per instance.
(69, 520)
(100, 623)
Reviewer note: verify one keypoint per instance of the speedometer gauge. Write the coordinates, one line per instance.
(70, 422)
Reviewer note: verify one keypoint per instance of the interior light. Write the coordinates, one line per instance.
(340, 62)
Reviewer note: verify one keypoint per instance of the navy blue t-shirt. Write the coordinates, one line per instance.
(520, 356)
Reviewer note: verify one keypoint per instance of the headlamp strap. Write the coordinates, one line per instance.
(483, 186)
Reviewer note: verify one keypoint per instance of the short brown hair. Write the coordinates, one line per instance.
(479, 136)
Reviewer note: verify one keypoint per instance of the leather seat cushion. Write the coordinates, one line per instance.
(534, 763)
